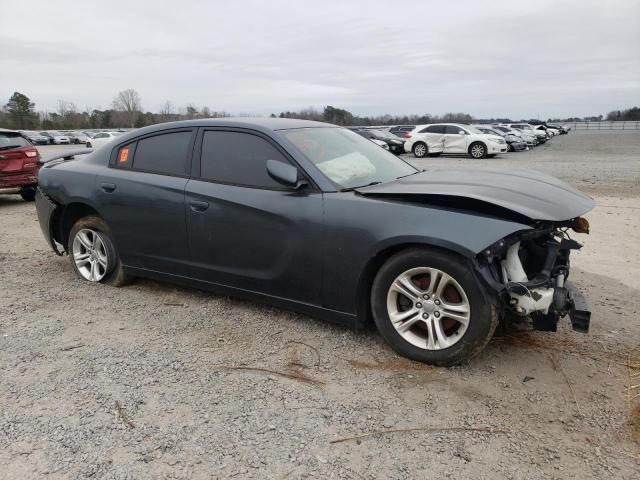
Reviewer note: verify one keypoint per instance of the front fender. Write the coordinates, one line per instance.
(360, 229)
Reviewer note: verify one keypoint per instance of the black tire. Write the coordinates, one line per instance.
(420, 149)
(115, 275)
(477, 150)
(28, 195)
(482, 318)
(88, 144)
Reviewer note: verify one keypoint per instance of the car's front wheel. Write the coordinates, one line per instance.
(428, 306)
(93, 254)
(478, 150)
(420, 149)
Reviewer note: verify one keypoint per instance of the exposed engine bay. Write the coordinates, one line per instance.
(528, 273)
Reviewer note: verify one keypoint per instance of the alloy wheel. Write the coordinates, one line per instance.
(477, 151)
(428, 308)
(420, 150)
(90, 255)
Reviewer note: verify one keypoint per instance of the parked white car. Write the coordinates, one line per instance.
(530, 139)
(454, 138)
(421, 144)
(541, 135)
(102, 138)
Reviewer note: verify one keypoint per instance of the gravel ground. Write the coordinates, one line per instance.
(143, 381)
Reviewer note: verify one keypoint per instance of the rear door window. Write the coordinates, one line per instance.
(165, 154)
(433, 129)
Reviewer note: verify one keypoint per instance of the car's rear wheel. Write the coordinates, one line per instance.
(28, 194)
(93, 254)
(420, 149)
(428, 306)
(88, 144)
(478, 150)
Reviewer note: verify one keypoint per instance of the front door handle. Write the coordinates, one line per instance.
(198, 206)
(108, 187)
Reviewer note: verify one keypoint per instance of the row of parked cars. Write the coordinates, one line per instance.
(477, 141)
(88, 138)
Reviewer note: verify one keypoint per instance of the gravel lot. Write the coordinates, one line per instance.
(143, 381)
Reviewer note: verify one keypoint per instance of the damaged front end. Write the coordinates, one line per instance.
(527, 273)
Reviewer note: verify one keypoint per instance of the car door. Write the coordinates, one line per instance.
(245, 229)
(141, 197)
(433, 134)
(454, 141)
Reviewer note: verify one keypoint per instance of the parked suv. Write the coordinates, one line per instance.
(19, 164)
(455, 138)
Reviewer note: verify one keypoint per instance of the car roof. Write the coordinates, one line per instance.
(265, 125)
(9, 130)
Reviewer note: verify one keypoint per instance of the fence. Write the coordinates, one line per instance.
(619, 125)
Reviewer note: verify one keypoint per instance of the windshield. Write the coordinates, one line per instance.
(472, 129)
(490, 131)
(348, 159)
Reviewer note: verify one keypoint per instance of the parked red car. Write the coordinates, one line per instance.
(19, 165)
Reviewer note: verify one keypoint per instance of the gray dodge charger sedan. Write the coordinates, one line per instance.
(314, 218)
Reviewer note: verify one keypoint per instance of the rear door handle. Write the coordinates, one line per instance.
(108, 187)
(198, 206)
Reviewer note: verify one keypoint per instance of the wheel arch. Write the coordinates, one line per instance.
(486, 148)
(376, 261)
(67, 216)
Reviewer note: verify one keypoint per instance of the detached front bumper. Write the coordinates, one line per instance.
(526, 276)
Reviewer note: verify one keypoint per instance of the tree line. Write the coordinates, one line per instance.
(127, 112)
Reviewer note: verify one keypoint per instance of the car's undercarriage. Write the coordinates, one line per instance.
(527, 273)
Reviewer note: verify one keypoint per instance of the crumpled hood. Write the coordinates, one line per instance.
(535, 195)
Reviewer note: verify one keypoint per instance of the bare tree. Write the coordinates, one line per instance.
(128, 102)
(166, 112)
(66, 108)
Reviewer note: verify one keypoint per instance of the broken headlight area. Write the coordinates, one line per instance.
(527, 273)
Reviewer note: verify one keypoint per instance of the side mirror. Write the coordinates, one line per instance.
(461, 132)
(285, 174)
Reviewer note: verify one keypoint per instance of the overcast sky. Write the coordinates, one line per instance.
(500, 58)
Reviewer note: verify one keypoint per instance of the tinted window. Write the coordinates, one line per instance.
(433, 129)
(238, 158)
(166, 154)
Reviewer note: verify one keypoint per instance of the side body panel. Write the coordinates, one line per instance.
(359, 228)
(146, 213)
